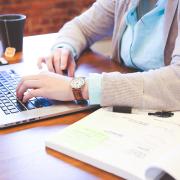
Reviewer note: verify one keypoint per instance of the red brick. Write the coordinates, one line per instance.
(45, 16)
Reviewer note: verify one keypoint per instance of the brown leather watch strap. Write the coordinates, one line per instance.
(77, 94)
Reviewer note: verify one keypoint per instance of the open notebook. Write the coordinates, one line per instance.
(132, 146)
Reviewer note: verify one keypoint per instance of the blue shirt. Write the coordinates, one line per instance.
(141, 46)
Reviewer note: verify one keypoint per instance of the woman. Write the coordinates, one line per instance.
(145, 36)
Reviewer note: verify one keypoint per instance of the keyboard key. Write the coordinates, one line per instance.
(10, 107)
(7, 112)
(5, 101)
(1, 105)
(20, 106)
(7, 104)
(14, 111)
(4, 108)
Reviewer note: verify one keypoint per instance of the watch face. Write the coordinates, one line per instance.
(77, 82)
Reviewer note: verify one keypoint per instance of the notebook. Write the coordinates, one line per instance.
(132, 146)
(14, 112)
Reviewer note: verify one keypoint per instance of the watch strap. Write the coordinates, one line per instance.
(77, 94)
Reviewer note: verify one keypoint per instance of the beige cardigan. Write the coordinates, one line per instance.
(155, 89)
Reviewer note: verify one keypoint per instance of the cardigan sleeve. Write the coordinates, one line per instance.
(155, 89)
(92, 25)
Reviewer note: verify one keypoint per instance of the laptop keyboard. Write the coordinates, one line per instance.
(8, 101)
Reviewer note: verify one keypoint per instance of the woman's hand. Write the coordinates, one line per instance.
(48, 85)
(61, 60)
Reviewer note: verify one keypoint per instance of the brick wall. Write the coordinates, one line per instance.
(44, 16)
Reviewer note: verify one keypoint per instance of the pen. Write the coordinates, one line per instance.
(164, 114)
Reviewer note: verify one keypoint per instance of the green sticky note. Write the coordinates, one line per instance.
(81, 137)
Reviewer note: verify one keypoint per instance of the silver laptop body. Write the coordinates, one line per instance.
(14, 113)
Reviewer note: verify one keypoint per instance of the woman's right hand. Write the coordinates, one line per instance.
(60, 61)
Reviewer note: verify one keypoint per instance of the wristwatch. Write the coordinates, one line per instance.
(77, 84)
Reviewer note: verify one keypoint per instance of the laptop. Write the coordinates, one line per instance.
(13, 112)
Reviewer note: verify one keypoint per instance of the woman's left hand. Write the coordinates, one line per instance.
(48, 85)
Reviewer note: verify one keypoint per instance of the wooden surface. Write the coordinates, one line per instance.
(23, 155)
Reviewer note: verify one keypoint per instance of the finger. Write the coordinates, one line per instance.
(49, 63)
(40, 61)
(71, 70)
(30, 77)
(31, 93)
(57, 60)
(29, 84)
(64, 58)
(25, 78)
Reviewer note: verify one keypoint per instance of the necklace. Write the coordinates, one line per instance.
(10, 51)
